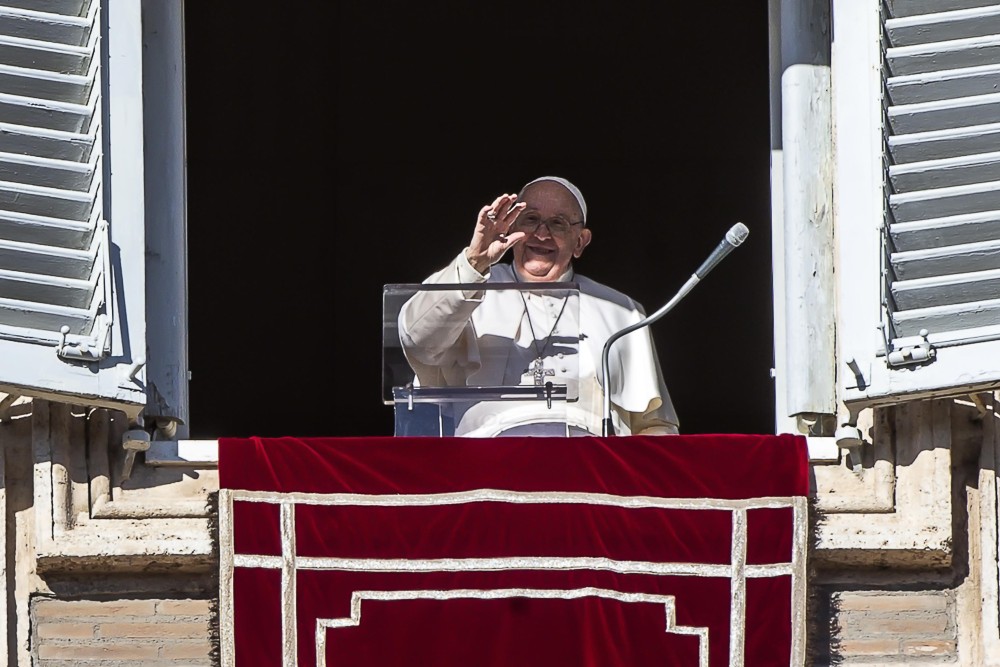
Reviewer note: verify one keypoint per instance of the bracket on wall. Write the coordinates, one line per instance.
(134, 441)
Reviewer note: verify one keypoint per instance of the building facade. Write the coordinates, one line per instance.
(886, 212)
(886, 234)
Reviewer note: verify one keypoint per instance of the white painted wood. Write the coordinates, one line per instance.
(807, 208)
(823, 450)
(978, 366)
(126, 170)
(857, 89)
(166, 212)
(183, 453)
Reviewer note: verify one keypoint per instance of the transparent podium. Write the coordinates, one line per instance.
(481, 360)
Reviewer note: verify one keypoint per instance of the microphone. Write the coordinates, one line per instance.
(736, 235)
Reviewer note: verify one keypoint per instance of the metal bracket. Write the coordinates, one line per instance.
(911, 351)
(134, 441)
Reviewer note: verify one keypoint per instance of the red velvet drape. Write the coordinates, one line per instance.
(514, 551)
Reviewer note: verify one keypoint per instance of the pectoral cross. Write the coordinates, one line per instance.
(539, 373)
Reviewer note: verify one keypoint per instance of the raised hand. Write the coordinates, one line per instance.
(494, 236)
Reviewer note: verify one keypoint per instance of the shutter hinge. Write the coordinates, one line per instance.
(98, 346)
(92, 349)
(911, 350)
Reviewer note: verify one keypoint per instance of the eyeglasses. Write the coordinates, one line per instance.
(557, 226)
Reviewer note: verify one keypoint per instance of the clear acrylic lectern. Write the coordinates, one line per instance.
(480, 360)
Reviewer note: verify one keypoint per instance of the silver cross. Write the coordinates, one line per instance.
(539, 373)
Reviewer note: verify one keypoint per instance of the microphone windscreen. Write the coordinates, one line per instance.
(737, 234)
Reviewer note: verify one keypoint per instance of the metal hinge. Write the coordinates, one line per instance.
(911, 351)
(98, 345)
(92, 349)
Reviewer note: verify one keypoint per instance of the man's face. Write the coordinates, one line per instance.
(545, 254)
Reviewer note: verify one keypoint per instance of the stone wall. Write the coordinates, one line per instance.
(887, 626)
(109, 633)
(904, 559)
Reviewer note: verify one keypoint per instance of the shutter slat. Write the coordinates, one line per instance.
(61, 203)
(929, 174)
(62, 116)
(42, 84)
(938, 56)
(51, 258)
(942, 114)
(944, 290)
(900, 8)
(42, 142)
(65, 7)
(942, 26)
(954, 317)
(33, 54)
(964, 258)
(46, 172)
(947, 143)
(47, 289)
(48, 260)
(938, 232)
(33, 315)
(44, 26)
(946, 84)
(945, 202)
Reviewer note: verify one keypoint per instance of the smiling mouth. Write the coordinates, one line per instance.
(540, 250)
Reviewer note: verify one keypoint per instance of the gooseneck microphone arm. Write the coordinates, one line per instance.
(736, 235)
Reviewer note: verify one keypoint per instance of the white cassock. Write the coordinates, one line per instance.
(490, 338)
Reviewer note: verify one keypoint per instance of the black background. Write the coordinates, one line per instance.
(336, 147)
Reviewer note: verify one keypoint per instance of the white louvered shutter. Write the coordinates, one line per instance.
(68, 266)
(939, 328)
